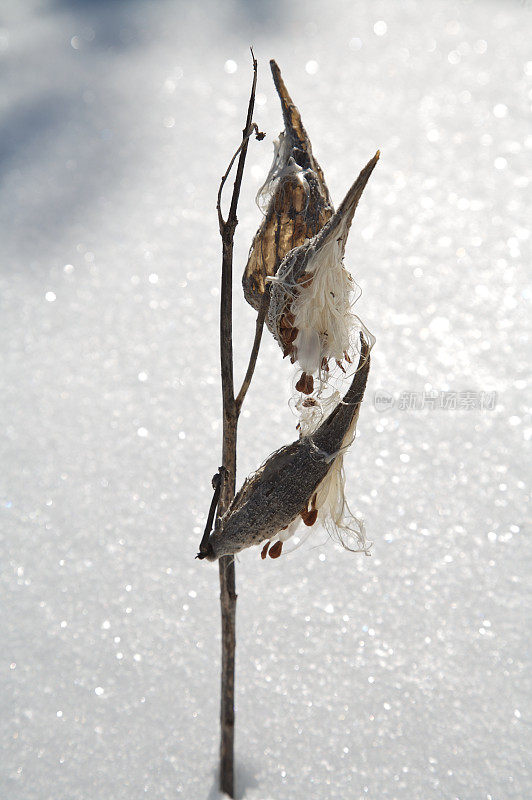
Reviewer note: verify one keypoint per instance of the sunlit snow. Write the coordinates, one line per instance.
(400, 676)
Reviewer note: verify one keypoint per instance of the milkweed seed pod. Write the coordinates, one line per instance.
(294, 199)
(302, 481)
(310, 303)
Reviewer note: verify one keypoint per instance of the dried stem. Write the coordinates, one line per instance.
(261, 316)
(231, 409)
(244, 142)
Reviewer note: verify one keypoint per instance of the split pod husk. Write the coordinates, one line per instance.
(288, 483)
(294, 198)
(310, 300)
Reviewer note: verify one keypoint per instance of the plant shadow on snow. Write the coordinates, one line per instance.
(67, 147)
(25, 126)
(244, 779)
(114, 24)
(65, 142)
(110, 20)
(38, 136)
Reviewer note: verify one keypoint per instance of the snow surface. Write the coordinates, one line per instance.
(403, 675)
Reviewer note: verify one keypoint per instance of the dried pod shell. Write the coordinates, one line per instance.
(294, 196)
(312, 289)
(275, 495)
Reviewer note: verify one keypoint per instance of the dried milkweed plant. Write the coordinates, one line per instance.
(296, 267)
(296, 280)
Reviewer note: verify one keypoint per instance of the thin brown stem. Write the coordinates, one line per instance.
(226, 570)
(221, 221)
(230, 421)
(242, 160)
(259, 327)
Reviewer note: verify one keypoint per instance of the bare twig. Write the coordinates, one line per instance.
(258, 135)
(231, 219)
(261, 316)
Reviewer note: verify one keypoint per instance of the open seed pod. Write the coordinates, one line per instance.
(302, 480)
(294, 198)
(310, 304)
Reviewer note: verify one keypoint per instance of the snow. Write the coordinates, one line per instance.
(403, 675)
